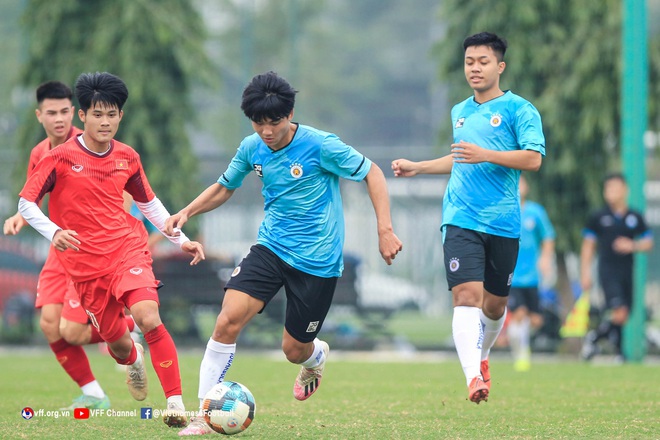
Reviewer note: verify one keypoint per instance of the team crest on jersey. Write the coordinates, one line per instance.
(454, 264)
(496, 120)
(459, 123)
(296, 170)
(257, 167)
(136, 271)
(77, 168)
(631, 221)
(236, 271)
(121, 164)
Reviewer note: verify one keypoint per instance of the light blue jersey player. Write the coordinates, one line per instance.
(484, 196)
(497, 134)
(300, 241)
(304, 219)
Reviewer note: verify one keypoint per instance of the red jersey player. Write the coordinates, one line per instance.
(106, 254)
(63, 321)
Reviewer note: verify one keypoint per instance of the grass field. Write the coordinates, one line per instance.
(364, 397)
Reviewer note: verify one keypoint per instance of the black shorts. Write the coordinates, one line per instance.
(477, 256)
(262, 274)
(524, 297)
(617, 288)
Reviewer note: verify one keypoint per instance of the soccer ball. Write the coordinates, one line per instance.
(229, 407)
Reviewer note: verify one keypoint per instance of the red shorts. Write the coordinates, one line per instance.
(55, 287)
(105, 298)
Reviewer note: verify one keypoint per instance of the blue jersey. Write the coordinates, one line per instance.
(304, 218)
(484, 197)
(536, 228)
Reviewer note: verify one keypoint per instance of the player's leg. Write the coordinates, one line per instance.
(308, 301)
(517, 313)
(464, 255)
(53, 283)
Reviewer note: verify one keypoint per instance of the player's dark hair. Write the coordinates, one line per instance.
(615, 176)
(268, 96)
(488, 39)
(53, 90)
(100, 88)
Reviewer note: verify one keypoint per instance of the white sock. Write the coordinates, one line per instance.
(513, 332)
(177, 399)
(217, 360)
(468, 335)
(317, 356)
(139, 360)
(93, 389)
(492, 329)
(525, 328)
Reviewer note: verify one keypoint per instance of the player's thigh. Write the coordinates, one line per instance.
(259, 276)
(501, 257)
(308, 300)
(464, 255)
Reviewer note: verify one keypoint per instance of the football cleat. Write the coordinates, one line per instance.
(478, 390)
(136, 377)
(309, 379)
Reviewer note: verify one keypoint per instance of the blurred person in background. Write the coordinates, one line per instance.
(613, 234)
(535, 263)
(496, 135)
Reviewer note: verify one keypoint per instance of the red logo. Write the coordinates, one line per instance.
(121, 164)
(81, 413)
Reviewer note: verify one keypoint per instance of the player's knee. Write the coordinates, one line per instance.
(296, 352)
(50, 327)
(147, 320)
(226, 328)
(74, 334)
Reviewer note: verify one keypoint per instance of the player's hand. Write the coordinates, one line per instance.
(404, 168)
(65, 239)
(465, 152)
(13, 224)
(195, 249)
(174, 224)
(623, 245)
(389, 245)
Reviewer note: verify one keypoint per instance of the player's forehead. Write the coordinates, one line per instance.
(479, 52)
(103, 107)
(53, 104)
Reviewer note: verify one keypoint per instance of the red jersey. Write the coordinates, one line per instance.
(44, 147)
(86, 196)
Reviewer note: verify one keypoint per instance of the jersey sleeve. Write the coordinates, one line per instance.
(529, 129)
(138, 185)
(238, 168)
(642, 229)
(591, 227)
(343, 160)
(41, 180)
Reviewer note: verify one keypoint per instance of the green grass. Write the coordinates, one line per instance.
(359, 399)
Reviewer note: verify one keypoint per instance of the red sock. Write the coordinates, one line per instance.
(164, 359)
(96, 336)
(74, 361)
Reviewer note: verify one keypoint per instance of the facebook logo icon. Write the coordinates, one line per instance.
(146, 413)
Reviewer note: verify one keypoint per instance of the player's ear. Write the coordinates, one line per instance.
(81, 115)
(501, 66)
(121, 114)
(37, 113)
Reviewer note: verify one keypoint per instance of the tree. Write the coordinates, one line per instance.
(155, 46)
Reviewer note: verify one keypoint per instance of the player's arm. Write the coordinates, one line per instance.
(61, 239)
(211, 198)
(587, 254)
(547, 254)
(524, 160)
(388, 243)
(407, 168)
(157, 214)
